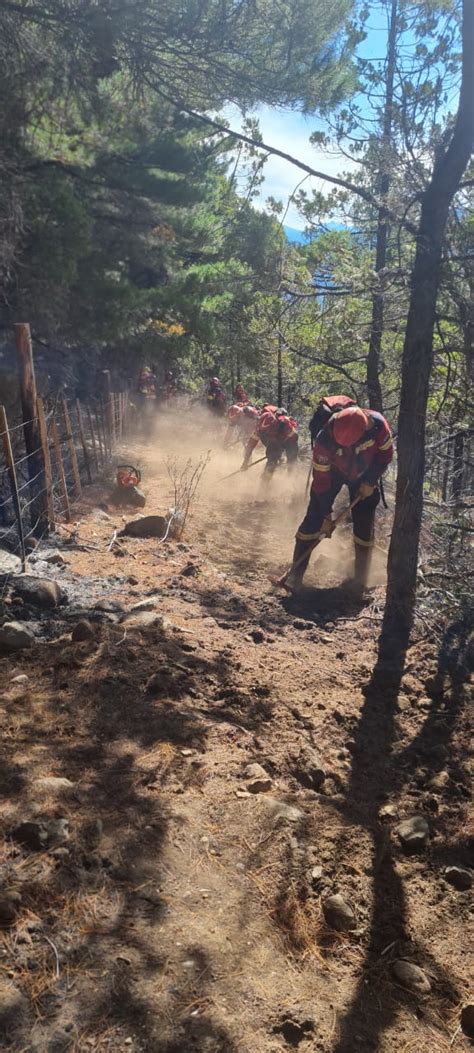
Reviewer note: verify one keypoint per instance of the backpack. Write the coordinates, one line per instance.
(326, 408)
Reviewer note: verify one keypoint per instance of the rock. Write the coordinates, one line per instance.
(388, 811)
(83, 630)
(132, 580)
(12, 1004)
(14, 636)
(52, 784)
(39, 591)
(39, 835)
(282, 810)
(131, 495)
(439, 782)
(257, 635)
(146, 526)
(144, 605)
(459, 877)
(22, 678)
(60, 853)
(411, 977)
(56, 559)
(10, 902)
(308, 769)
(413, 834)
(467, 1020)
(338, 914)
(143, 620)
(316, 875)
(9, 564)
(189, 571)
(257, 779)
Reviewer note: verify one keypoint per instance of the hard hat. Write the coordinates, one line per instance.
(146, 369)
(251, 411)
(349, 425)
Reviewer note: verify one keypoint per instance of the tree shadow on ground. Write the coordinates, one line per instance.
(99, 902)
(378, 766)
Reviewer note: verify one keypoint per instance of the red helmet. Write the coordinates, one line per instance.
(349, 425)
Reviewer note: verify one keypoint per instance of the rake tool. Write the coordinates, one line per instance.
(281, 582)
(224, 477)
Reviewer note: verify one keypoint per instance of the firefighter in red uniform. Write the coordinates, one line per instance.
(279, 434)
(240, 395)
(353, 448)
(215, 398)
(242, 421)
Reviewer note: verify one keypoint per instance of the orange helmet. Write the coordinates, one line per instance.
(349, 425)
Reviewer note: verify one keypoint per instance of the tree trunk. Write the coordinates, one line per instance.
(458, 466)
(377, 324)
(418, 350)
(279, 372)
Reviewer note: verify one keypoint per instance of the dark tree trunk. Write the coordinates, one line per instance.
(279, 372)
(374, 387)
(418, 350)
(458, 466)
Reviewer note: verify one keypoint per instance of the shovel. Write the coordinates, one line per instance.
(224, 477)
(281, 582)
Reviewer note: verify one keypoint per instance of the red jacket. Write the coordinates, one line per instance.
(364, 461)
(272, 429)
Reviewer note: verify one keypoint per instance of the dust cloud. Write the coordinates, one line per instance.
(246, 524)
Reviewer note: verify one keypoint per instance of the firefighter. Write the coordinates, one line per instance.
(215, 397)
(242, 421)
(278, 432)
(170, 386)
(240, 395)
(147, 384)
(354, 448)
(327, 406)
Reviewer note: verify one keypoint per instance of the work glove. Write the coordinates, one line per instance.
(327, 527)
(365, 490)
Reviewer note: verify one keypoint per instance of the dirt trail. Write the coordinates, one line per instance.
(185, 913)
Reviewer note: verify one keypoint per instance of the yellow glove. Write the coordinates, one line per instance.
(327, 527)
(365, 490)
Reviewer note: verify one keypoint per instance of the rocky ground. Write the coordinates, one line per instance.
(226, 826)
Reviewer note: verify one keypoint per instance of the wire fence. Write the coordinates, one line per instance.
(74, 444)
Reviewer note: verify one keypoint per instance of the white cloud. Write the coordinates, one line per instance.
(290, 132)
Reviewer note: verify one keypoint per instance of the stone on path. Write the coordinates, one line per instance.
(14, 636)
(459, 877)
(10, 902)
(413, 834)
(339, 914)
(39, 591)
(257, 779)
(308, 769)
(83, 630)
(146, 526)
(411, 977)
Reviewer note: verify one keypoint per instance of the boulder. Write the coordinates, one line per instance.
(459, 877)
(55, 558)
(83, 630)
(131, 495)
(52, 784)
(39, 591)
(411, 977)
(9, 564)
(338, 914)
(14, 636)
(146, 526)
(413, 834)
(257, 779)
(143, 620)
(281, 810)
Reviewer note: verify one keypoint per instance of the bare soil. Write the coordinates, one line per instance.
(185, 913)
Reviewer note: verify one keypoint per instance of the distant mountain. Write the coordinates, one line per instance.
(296, 236)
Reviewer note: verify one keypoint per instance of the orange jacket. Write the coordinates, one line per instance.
(366, 460)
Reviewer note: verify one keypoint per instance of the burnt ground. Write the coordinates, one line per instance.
(180, 912)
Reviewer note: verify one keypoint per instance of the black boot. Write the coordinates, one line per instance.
(363, 559)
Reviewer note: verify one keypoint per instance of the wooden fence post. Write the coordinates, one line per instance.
(72, 449)
(100, 436)
(60, 471)
(28, 396)
(7, 449)
(83, 441)
(91, 429)
(43, 434)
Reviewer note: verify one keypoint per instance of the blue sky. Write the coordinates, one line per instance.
(290, 131)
